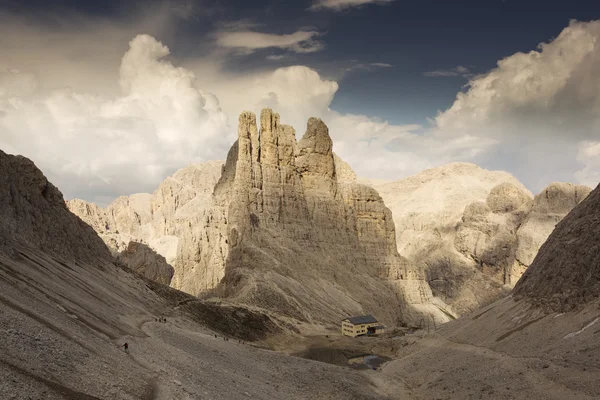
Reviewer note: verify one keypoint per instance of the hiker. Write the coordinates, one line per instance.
(126, 347)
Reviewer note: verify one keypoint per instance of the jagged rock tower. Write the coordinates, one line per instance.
(285, 234)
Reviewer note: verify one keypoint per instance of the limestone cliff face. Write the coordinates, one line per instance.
(547, 209)
(472, 231)
(154, 223)
(487, 232)
(503, 235)
(157, 219)
(284, 234)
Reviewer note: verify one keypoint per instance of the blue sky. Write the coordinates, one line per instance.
(384, 75)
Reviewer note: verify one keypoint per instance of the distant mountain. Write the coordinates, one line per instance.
(135, 226)
(469, 232)
(541, 342)
(473, 231)
(155, 219)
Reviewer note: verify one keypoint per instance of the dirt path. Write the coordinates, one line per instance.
(153, 380)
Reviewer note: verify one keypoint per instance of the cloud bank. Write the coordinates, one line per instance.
(536, 115)
(542, 106)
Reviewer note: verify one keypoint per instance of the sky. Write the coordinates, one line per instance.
(110, 97)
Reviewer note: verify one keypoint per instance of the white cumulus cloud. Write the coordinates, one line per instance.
(535, 115)
(539, 107)
(120, 145)
(589, 155)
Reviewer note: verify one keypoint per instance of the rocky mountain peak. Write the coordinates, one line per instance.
(283, 234)
(315, 151)
(560, 198)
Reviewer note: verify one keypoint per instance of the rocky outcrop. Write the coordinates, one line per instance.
(506, 197)
(33, 213)
(146, 262)
(154, 219)
(473, 231)
(547, 209)
(283, 233)
(565, 273)
(143, 230)
(504, 242)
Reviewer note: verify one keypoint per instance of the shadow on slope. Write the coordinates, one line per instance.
(230, 320)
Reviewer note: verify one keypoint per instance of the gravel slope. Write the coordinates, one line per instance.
(62, 325)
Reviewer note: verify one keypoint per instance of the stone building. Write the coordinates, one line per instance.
(361, 325)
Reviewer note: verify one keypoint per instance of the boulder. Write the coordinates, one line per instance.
(146, 262)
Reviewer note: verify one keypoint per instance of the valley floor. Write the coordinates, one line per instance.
(62, 325)
(508, 350)
(192, 364)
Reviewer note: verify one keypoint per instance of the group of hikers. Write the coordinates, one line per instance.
(226, 339)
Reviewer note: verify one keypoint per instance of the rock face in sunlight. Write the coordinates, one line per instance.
(467, 233)
(474, 232)
(285, 234)
(156, 220)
